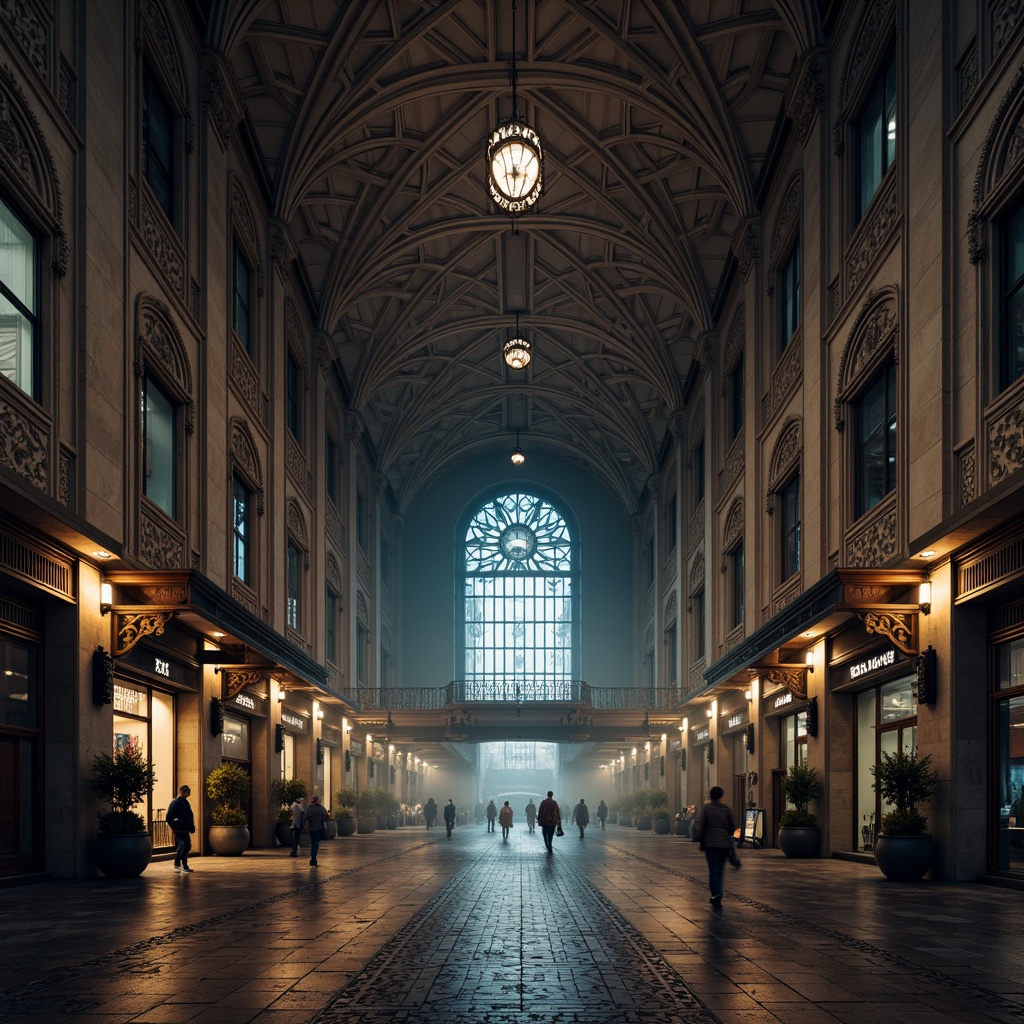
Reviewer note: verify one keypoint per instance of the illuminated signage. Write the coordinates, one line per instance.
(162, 667)
(873, 664)
(243, 700)
(783, 699)
(739, 718)
(130, 701)
(294, 721)
(701, 735)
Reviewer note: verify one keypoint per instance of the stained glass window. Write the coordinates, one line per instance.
(518, 601)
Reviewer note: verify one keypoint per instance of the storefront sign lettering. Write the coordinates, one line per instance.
(701, 735)
(162, 668)
(734, 720)
(868, 665)
(129, 700)
(243, 700)
(293, 720)
(783, 699)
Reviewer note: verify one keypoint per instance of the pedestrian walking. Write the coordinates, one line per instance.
(531, 815)
(492, 813)
(430, 813)
(316, 819)
(182, 823)
(716, 826)
(505, 820)
(449, 817)
(298, 822)
(581, 816)
(550, 818)
(602, 813)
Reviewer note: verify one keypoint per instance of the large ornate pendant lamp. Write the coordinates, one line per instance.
(517, 350)
(514, 155)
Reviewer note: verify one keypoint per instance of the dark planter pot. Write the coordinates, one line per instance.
(799, 842)
(626, 820)
(228, 840)
(283, 832)
(662, 826)
(613, 818)
(382, 821)
(391, 821)
(683, 828)
(123, 856)
(367, 824)
(643, 822)
(331, 829)
(346, 826)
(903, 858)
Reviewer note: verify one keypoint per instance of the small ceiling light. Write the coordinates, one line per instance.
(517, 351)
(518, 458)
(218, 635)
(930, 553)
(102, 554)
(515, 155)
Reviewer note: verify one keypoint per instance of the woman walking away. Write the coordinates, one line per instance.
(716, 828)
(505, 820)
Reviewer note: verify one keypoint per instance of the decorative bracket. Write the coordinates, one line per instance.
(793, 679)
(234, 681)
(898, 627)
(130, 625)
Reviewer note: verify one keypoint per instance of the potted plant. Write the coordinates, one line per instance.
(346, 815)
(903, 847)
(366, 813)
(123, 779)
(799, 835)
(226, 786)
(388, 806)
(287, 791)
(661, 821)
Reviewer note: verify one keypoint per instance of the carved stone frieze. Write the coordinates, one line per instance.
(872, 235)
(1005, 16)
(734, 462)
(283, 248)
(793, 679)
(785, 221)
(734, 342)
(164, 248)
(786, 594)
(895, 626)
(333, 575)
(335, 527)
(697, 674)
(695, 528)
(874, 544)
(295, 460)
(1006, 444)
(748, 249)
(785, 454)
(732, 531)
(967, 460)
(23, 446)
(362, 609)
(24, 24)
(220, 97)
(297, 524)
(696, 579)
(363, 566)
(244, 596)
(671, 609)
(244, 379)
(159, 547)
(66, 472)
(856, 63)
(968, 70)
(806, 95)
(876, 328)
(133, 626)
(785, 376)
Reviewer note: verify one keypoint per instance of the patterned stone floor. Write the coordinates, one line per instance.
(409, 926)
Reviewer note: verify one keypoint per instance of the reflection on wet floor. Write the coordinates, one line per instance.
(408, 926)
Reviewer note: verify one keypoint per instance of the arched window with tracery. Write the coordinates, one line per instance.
(519, 558)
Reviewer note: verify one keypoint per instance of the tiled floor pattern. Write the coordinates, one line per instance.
(518, 938)
(409, 926)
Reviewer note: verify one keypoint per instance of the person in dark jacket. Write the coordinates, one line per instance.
(492, 813)
(549, 817)
(430, 813)
(581, 816)
(316, 819)
(602, 813)
(182, 823)
(531, 814)
(449, 817)
(715, 829)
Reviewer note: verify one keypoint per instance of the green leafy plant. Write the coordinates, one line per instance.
(902, 780)
(124, 779)
(661, 814)
(366, 803)
(226, 786)
(385, 803)
(288, 791)
(346, 801)
(800, 785)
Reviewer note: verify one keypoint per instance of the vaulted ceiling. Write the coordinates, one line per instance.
(370, 121)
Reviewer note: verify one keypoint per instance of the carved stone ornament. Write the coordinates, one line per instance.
(245, 222)
(131, 627)
(785, 222)
(898, 627)
(786, 453)
(297, 524)
(234, 681)
(221, 97)
(856, 63)
(23, 446)
(875, 328)
(165, 248)
(697, 574)
(968, 461)
(732, 532)
(873, 233)
(1005, 16)
(25, 25)
(806, 96)
(875, 544)
(748, 249)
(671, 612)
(283, 249)
(737, 336)
(159, 547)
(1006, 444)
(793, 679)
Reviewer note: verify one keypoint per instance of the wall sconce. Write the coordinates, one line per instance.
(710, 711)
(369, 740)
(809, 659)
(106, 598)
(924, 597)
(391, 748)
(280, 695)
(319, 714)
(748, 695)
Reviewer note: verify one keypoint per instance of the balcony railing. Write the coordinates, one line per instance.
(510, 691)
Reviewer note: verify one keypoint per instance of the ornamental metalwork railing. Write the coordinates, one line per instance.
(512, 691)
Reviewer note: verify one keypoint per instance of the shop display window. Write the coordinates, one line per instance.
(19, 685)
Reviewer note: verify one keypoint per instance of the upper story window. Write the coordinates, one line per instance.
(876, 136)
(697, 620)
(242, 290)
(159, 435)
(331, 468)
(672, 653)
(293, 396)
(331, 608)
(789, 528)
(361, 518)
(698, 473)
(294, 586)
(735, 408)
(157, 142)
(362, 661)
(1012, 355)
(737, 583)
(241, 503)
(875, 441)
(671, 528)
(18, 302)
(789, 296)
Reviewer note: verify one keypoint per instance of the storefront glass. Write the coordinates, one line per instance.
(1010, 770)
(19, 724)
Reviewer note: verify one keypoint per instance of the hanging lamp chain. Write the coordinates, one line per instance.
(515, 104)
